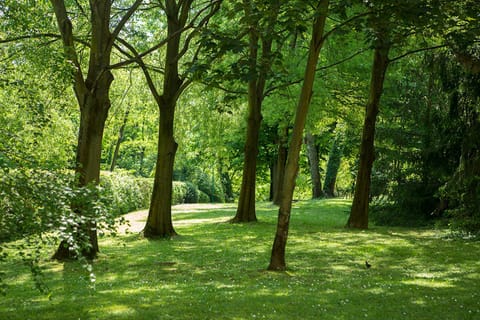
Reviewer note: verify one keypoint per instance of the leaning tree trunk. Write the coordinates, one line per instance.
(314, 162)
(359, 211)
(277, 260)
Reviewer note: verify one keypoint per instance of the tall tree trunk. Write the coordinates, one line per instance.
(277, 260)
(333, 164)
(279, 172)
(359, 211)
(92, 95)
(314, 163)
(159, 221)
(256, 86)
(119, 141)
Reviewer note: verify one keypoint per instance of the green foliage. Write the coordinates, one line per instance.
(125, 192)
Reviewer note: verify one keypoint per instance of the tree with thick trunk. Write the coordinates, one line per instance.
(256, 87)
(179, 20)
(359, 211)
(314, 163)
(92, 93)
(277, 260)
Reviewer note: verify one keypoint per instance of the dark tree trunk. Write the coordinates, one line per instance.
(333, 164)
(359, 211)
(119, 141)
(246, 201)
(314, 163)
(159, 222)
(279, 167)
(277, 260)
(256, 86)
(92, 95)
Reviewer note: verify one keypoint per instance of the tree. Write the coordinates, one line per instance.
(277, 260)
(259, 68)
(181, 17)
(333, 164)
(359, 211)
(314, 163)
(92, 93)
(386, 33)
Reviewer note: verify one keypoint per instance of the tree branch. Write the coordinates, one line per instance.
(416, 51)
(124, 20)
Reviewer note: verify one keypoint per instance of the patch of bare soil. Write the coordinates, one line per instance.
(136, 220)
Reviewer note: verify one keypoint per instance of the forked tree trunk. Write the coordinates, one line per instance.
(277, 260)
(92, 95)
(359, 211)
(256, 86)
(314, 163)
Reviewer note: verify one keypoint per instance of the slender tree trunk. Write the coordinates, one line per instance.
(359, 211)
(314, 162)
(333, 164)
(277, 260)
(279, 172)
(118, 142)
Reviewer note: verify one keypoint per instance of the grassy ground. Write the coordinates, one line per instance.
(216, 270)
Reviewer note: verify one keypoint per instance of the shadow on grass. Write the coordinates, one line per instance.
(217, 271)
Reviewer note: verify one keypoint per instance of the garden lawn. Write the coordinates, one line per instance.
(216, 270)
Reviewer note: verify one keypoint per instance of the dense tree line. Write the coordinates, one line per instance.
(243, 100)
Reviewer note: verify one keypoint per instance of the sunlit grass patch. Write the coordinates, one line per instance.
(217, 270)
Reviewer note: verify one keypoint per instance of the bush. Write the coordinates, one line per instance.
(126, 193)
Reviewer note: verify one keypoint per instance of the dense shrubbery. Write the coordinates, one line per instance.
(125, 193)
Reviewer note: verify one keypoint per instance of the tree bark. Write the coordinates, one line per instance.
(159, 222)
(359, 211)
(279, 171)
(256, 86)
(314, 163)
(92, 96)
(277, 260)
(333, 164)
(118, 142)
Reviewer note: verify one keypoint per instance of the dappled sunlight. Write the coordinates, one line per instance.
(214, 269)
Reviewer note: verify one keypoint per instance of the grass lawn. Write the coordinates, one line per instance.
(216, 270)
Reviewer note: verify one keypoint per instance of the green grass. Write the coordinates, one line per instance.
(216, 270)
